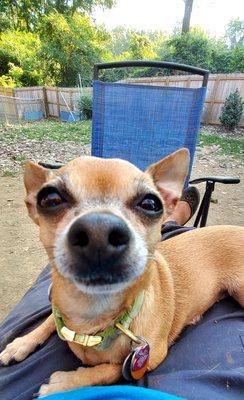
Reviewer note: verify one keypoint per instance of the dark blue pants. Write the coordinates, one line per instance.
(207, 362)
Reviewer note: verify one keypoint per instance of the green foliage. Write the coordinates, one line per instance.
(7, 81)
(140, 47)
(134, 44)
(18, 58)
(120, 41)
(28, 14)
(193, 48)
(221, 57)
(5, 22)
(128, 44)
(232, 111)
(16, 74)
(198, 49)
(51, 41)
(237, 59)
(71, 45)
(235, 33)
(85, 106)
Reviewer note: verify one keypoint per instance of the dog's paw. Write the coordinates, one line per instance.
(17, 350)
(60, 381)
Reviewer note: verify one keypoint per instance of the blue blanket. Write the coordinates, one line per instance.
(112, 393)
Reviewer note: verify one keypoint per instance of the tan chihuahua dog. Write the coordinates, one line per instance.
(100, 223)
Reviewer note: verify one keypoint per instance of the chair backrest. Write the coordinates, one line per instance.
(143, 123)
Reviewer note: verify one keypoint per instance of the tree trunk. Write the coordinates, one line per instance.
(187, 16)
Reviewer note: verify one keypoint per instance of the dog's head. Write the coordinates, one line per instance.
(100, 219)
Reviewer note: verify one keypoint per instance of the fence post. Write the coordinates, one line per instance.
(213, 98)
(188, 82)
(5, 114)
(71, 100)
(58, 103)
(45, 101)
(15, 106)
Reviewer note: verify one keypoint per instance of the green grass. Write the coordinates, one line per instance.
(80, 132)
(227, 146)
(57, 131)
(8, 173)
(18, 158)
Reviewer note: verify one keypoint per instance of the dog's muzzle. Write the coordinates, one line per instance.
(98, 243)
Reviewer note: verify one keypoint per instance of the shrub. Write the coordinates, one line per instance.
(85, 106)
(232, 111)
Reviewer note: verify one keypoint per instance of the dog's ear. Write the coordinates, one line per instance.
(34, 177)
(169, 175)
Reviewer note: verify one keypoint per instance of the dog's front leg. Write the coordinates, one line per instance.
(21, 347)
(103, 374)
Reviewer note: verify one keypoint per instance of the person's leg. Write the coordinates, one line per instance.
(181, 213)
(19, 381)
(184, 210)
(186, 207)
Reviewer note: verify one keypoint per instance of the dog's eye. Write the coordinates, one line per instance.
(151, 204)
(49, 198)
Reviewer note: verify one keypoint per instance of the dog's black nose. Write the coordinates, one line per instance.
(99, 239)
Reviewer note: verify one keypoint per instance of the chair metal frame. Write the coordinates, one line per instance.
(152, 64)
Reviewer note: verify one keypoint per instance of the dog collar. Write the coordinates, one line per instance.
(101, 340)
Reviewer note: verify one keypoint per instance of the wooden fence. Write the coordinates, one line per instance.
(13, 109)
(57, 99)
(219, 87)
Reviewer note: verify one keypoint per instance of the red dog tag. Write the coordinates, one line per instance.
(139, 361)
(136, 363)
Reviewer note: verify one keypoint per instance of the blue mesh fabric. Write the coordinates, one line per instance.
(142, 123)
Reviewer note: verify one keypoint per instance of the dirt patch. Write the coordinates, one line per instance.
(22, 257)
(13, 155)
(222, 131)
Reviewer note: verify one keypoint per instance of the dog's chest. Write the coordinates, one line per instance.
(115, 354)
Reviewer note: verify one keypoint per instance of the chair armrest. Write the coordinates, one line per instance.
(202, 214)
(220, 179)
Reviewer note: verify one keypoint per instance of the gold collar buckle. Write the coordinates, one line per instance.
(84, 340)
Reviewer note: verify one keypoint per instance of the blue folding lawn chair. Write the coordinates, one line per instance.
(142, 124)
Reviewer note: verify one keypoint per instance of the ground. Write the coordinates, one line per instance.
(22, 257)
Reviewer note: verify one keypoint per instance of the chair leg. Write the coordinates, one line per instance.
(202, 214)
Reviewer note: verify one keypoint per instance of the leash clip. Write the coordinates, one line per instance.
(128, 333)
